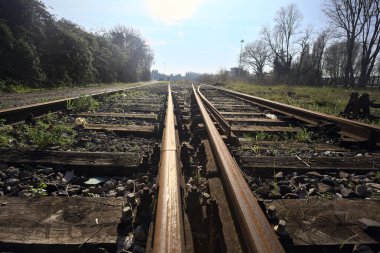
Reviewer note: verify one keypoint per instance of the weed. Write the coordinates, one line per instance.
(256, 149)
(326, 196)
(261, 136)
(5, 131)
(83, 103)
(303, 135)
(38, 191)
(377, 177)
(45, 133)
(375, 196)
(344, 242)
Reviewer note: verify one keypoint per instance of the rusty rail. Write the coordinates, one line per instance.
(168, 231)
(20, 113)
(226, 128)
(349, 128)
(258, 235)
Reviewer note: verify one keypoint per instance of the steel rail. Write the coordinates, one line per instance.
(169, 229)
(349, 128)
(257, 233)
(20, 113)
(226, 128)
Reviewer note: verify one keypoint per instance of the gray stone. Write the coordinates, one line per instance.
(374, 185)
(347, 193)
(328, 180)
(109, 185)
(51, 187)
(314, 174)
(130, 184)
(2, 175)
(63, 193)
(12, 172)
(370, 174)
(263, 191)
(283, 182)
(279, 175)
(284, 189)
(12, 182)
(46, 170)
(140, 186)
(299, 179)
(324, 187)
(127, 215)
(343, 174)
(131, 198)
(312, 191)
(96, 189)
(361, 190)
(112, 193)
(140, 234)
(73, 189)
(120, 190)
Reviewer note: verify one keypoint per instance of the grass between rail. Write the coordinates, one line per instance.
(330, 100)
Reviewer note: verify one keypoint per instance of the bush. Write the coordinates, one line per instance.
(83, 103)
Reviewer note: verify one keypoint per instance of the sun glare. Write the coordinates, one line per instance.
(172, 11)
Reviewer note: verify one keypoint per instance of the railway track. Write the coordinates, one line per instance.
(183, 168)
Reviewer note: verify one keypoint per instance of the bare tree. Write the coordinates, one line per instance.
(345, 15)
(281, 37)
(304, 56)
(256, 56)
(222, 76)
(318, 52)
(370, 39)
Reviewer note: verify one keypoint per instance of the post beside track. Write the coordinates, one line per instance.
(169, 224)
(257, 233)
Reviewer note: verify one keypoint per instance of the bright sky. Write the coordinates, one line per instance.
(187, 35)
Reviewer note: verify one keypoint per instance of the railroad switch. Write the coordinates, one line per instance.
(358, 107)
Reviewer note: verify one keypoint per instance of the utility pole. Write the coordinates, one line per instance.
(241, 50)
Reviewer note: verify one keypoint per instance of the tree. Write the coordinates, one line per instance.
(256, 56)
(345, 15)
(335, 59)
(36, 49)
(280, 38)
(370, 39)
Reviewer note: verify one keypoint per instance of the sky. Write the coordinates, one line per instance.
(187, 35)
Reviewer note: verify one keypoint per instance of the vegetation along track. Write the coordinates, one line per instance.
(184, 168)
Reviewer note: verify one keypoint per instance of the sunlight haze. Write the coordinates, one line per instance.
(187, 35)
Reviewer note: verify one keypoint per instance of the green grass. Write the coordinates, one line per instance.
(38, 191)
(46, 134)
(303, 135)
(82, 104)
(330, 100)
(5, 134)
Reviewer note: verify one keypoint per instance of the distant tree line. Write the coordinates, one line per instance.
(38, 50)
(346, 50)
